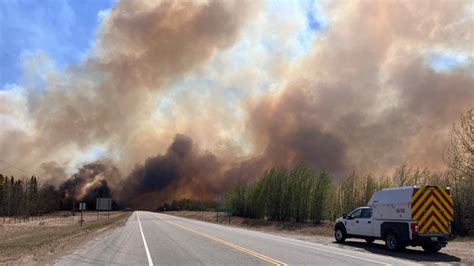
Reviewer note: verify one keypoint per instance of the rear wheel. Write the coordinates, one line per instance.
(340, 235)
(370, 240)
(392, 242)
(431, 248)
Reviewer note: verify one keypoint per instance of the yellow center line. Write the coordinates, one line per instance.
(248, 251)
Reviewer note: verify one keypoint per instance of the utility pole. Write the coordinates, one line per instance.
(74, 198)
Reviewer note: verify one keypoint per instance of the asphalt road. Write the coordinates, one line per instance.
(157, 239)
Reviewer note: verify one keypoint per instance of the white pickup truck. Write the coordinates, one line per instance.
(415, 216)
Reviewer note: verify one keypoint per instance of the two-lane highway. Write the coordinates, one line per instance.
(159, 239)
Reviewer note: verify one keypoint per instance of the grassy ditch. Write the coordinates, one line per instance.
(46, 237)
(323, 229)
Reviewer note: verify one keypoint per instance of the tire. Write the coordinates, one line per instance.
(392, 242)
(370, 240)
(340, 234)
(431, 248)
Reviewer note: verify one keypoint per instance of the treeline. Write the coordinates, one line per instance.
(460, 160)
(24, 197)
(307, 194)
(355, 191)
(298, 194)
(188, 205)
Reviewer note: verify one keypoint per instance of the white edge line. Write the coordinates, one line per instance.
(301, 245)
(150, 262)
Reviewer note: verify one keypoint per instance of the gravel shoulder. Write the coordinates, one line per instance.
(43, 241)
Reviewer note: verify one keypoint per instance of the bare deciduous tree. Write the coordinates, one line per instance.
(460, 160)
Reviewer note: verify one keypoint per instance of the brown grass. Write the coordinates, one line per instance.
(33, 242)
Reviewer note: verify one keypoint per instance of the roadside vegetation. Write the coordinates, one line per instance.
(305, 194)
(44, 237)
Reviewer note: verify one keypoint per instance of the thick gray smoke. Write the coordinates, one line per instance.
(182, 172)
(364, 97)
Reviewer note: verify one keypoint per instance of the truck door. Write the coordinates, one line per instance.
(364, 223)
(352, 222)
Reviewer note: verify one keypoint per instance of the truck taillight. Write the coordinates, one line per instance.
(414, 228)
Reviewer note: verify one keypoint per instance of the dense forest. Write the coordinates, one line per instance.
(24, 197)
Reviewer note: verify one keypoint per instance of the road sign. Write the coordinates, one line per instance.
(82, 207)
(103, 204)
(226, 210)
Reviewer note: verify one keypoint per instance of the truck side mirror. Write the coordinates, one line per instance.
(344, 216)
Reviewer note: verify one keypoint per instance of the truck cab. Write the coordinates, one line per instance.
(359, 223)
(415, 216)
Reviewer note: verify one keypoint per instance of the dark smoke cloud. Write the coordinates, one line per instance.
(91, 179)
(288, 130)
(182, 172)
(90, 182)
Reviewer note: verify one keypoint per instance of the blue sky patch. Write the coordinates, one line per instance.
(445, 62)
(63, 29)
(313, 17)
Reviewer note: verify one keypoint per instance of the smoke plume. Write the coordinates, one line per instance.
(183, 99)
(182, 172)
(365, 99)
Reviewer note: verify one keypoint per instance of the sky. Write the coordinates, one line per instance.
(65, 30)
(219, 91)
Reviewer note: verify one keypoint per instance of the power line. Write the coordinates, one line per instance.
(15, 167)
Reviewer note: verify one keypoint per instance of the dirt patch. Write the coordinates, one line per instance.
(457, 250)
(42, 241)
